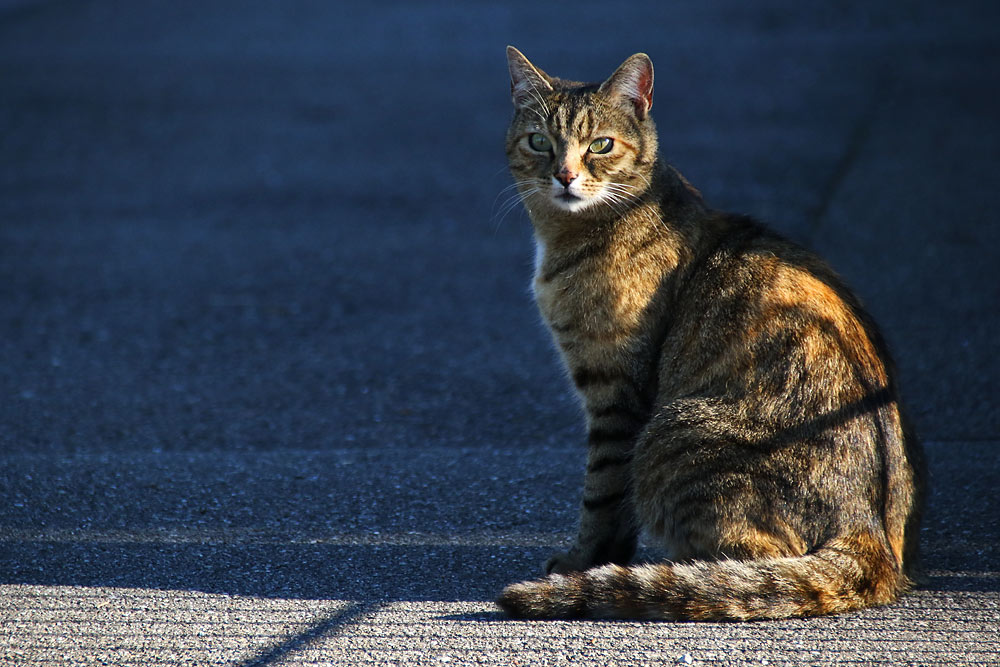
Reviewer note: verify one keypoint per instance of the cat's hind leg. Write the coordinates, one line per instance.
(705, 493)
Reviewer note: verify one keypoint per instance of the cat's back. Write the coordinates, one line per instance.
(755, 313)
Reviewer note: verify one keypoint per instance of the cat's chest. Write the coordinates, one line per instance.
(588, 296)
(564, 293)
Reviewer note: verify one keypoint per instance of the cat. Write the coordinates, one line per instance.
(741, 406)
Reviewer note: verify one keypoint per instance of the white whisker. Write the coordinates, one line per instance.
(538, 98)
(623, 187)
(512, 201)
(619, 197)
(537, 113)
(615, 202)
(633, 194)
(515, 184)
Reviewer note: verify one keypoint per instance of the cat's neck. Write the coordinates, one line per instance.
(670, 207)
(621, 263)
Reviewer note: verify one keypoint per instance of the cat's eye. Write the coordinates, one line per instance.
(539, 142)
(602, 145)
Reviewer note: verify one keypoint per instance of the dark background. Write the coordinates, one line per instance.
(260, 283)
(266, 225)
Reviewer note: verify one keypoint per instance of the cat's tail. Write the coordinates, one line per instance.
(843, 575)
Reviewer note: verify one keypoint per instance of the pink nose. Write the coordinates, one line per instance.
(565, 176)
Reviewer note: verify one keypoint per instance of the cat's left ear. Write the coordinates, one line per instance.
(632, 83)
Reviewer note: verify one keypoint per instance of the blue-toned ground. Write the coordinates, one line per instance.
(272, 387)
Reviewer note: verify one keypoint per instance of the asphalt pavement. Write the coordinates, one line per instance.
(272, 387)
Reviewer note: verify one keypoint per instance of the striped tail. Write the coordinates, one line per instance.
(836, 578)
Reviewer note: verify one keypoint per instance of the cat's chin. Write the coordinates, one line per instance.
(571, 203)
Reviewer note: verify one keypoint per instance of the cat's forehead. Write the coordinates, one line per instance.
(577, 111)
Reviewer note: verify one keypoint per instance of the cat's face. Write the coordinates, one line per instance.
(581, 149)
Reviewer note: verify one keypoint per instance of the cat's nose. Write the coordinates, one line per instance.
(565, 176)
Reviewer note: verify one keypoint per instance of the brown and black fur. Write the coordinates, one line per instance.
(741, 406)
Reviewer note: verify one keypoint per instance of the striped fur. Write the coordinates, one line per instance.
(741, 406)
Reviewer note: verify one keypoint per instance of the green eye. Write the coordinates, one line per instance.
(602, 145)
(539, 142)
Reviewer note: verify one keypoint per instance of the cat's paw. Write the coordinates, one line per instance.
(565, 563)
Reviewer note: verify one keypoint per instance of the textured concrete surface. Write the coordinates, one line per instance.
(273, 390)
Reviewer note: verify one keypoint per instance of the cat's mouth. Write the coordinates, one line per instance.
(570, 202)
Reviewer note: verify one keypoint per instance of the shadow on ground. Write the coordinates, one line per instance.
(442, 525)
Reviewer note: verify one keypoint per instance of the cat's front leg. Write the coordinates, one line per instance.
(608, 531)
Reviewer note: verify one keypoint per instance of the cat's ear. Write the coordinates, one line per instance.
(632, 84)
(527, 82)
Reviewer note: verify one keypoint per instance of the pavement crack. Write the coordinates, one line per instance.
(856, 141)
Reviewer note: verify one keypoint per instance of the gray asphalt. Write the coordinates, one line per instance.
(273, 390)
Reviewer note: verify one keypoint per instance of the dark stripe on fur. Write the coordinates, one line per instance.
(584, 377)
(568, 262)
(602, 502)
(627, 413)
(563, 328)
(650, 241)
(600, 436)
(608, 462)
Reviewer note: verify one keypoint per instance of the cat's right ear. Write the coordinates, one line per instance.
(527, 82)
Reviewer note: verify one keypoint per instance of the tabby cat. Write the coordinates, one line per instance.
(741, 406)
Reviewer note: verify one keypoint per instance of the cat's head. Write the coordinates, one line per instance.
(581, 149)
